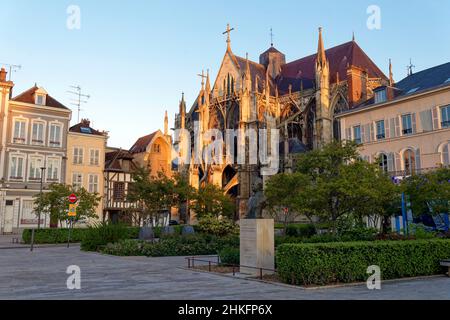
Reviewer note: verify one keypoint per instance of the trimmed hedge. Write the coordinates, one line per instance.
(172, 246)
(300, 230)
(230, 255)
(327, 263)
(53, 236)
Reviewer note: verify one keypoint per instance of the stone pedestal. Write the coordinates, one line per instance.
(257, 246)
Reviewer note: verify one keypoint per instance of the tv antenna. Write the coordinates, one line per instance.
(12, 68)
(271, 37)
(79, 99)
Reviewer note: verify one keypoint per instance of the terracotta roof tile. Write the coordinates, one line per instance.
(28, 97)
(142, 143)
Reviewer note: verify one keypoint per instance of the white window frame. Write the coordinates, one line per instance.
(94, 163)
(77, 157)
(58, 168)
(61, 126)
(441, 120)
(402, 124)
(24, 164)
(19, 119)
(30, 160)
(44, 129)
(376, 129)
(381, 96)
(80, 184)
(91, 183)
(36, 101)
(360, 133)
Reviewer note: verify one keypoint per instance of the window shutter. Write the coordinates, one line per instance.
(372, 131)
(397, 127)
(391, 162)
(392, 125)
(414, 124)
(387, 129)
(363, 133)
(426, 120)
(418, 162)
(435, 116)
(398, 163)
(348, 134)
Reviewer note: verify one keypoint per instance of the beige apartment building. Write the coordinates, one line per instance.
(86, 159)
(405, 126)
(33, 152)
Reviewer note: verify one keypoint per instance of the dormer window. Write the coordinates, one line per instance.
(380, 96)
(40, 96)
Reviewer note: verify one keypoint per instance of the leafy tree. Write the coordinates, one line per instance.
(333, 183)
(55, 203)
(210, 200)
(429, 193)
(285, 197)
(154, 194)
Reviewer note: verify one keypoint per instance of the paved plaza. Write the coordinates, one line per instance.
(42, 275)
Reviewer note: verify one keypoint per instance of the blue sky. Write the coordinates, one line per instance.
(136, 57)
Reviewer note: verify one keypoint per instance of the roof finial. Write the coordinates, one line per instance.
(228, 36)
(166, 124)
(271, 37)
(410, 67)
(353, 37)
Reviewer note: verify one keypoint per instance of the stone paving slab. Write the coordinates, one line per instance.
(42, 275)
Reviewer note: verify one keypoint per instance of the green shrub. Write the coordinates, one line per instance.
(175, 245)
(53, 236)
(300, 230)
(229, 255)
(211, 225)
(103, 233)
(321, 264)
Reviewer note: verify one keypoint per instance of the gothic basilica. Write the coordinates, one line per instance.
(299, 98)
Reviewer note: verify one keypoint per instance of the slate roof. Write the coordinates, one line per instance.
(28, 97)
(142, 143)
(428, 79)
(85, 128)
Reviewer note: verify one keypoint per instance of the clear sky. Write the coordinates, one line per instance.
(136, 57)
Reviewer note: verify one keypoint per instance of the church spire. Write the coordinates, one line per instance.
(208, 85)
(391, 74)
(182, 112)
(248, 76)
(321, 57)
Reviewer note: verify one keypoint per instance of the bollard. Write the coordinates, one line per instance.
(233, 271)
(209, 267)
(189, 263)
(260, 274)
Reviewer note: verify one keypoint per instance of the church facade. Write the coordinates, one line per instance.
(298, 99)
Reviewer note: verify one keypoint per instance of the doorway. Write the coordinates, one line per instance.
(9, 217)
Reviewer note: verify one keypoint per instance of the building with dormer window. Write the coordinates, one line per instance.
(33, 152)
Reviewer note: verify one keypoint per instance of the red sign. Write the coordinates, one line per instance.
(73, 198)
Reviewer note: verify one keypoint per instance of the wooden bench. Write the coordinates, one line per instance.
(446, 263)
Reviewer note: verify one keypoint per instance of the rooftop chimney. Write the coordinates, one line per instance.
(3, 75)
(85, 122)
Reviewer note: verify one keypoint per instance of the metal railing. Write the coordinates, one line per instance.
(234, 267)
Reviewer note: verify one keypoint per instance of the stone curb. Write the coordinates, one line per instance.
(344, 285)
